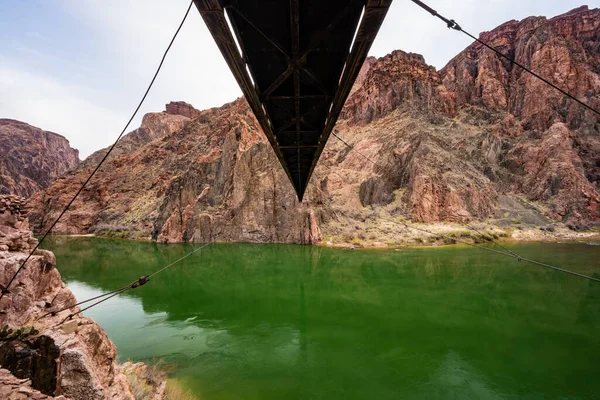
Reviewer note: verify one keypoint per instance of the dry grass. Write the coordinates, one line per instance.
(174, 392)
(146, 380)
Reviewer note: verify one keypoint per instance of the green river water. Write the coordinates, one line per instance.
(246, 321)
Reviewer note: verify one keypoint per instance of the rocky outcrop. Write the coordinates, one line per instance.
(469, 142)
(362, 74)
(397, 79)
(31, 159)
(553, 175)
(13, 388)
(154, 126)
(72, 358)
(182, 108)
(14, 233)
(215, 179)
(563, 49)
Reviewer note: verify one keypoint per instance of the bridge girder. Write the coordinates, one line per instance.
(296, 62)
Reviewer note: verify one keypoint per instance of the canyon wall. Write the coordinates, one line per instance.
(31, 159)
(479, 140)
(41, 354)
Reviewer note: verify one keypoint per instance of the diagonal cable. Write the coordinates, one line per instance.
(507, 253)
(106, 296)
(452, 24)
(511, 254)
(5, 288)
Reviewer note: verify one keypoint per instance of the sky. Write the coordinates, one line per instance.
(79, 67)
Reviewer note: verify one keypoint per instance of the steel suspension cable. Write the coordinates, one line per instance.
(493, 241)
(352, 148)
(106, 296)
(5, 288)
(53, 313)
(512, 255)
(452, 24)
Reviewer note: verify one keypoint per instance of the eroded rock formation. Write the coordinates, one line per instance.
(565, 50)
(477, 140)
(216, 178)
(154, 126)
(30, 158)
(74, 359)
(182, 108)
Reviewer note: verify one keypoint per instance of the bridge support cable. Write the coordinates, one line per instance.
(511, 254)
(507, 253)
(452, 24)
(493, 241)
(5, 289)
(108, 295)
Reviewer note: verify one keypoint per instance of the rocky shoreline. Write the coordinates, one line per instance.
(42, 357)
(398, 235)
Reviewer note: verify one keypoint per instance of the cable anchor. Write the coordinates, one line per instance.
(452, 24)
(140, 282)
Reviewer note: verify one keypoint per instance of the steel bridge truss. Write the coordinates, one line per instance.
(296, 62)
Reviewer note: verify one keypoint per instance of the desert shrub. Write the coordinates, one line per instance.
(174, 392)
(145, 381)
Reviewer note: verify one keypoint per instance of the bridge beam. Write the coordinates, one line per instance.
(303, 57)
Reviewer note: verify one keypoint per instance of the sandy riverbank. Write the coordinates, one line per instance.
(399, 234)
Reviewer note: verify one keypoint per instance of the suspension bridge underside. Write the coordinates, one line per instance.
(295, 61)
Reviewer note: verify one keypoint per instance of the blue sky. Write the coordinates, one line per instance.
(79, 67)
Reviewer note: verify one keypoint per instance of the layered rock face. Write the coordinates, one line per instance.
(13, 388)
(182, 108)
(477, 140)
(154, 126)
(217, 178)
(74, 359)
(30, 158)
(554, 142)
(396, 79)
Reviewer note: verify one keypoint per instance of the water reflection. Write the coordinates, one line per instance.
(251, 321)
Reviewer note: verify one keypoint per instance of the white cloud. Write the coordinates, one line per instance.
(51, 106)
(136, 37)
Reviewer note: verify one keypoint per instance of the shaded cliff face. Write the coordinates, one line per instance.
(74, 359)
(553, 142)
(469, 142)
(215, 179)
(30, 158)
(154, 126)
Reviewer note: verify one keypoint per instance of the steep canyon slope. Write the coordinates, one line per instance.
(30, 158)
(479, 140)
(42, 353)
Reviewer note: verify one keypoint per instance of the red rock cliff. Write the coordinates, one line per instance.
(477, 140)
(566, 51)
(30, 158)
(75, 359)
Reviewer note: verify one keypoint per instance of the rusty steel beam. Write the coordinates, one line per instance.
(302, 146)
(296, 68)
(213, 15)
(374, 14)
